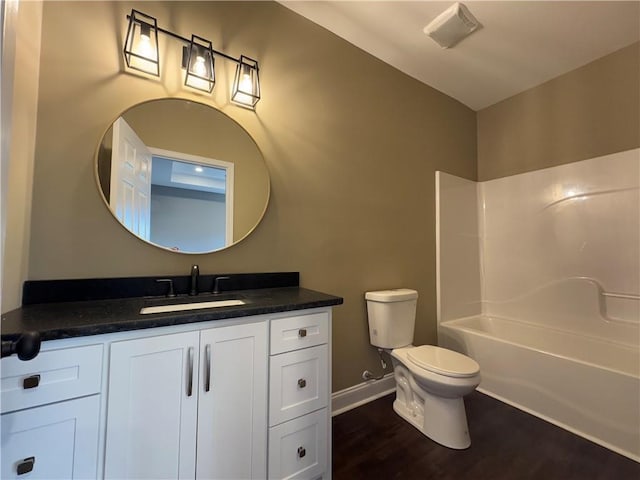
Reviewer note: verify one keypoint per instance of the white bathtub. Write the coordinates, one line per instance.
(584, 384)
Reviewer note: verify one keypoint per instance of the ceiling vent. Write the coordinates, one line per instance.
(452, 25)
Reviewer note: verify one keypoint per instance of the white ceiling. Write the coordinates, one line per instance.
(521, 43)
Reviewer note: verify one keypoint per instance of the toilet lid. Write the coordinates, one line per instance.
(443, 361)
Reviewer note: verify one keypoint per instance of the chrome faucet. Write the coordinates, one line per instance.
(216, 283)
(195, 271)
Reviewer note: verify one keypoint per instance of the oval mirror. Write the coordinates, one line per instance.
(182, 176)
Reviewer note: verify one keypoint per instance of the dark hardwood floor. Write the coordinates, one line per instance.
(373, 442)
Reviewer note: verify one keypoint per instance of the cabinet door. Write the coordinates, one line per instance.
(58, 441)
(152, 408)
(232, 411)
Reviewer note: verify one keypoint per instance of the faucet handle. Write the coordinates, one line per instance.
(216, 283)
(171, 293)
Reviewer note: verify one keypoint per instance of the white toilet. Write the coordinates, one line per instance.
(430, 380)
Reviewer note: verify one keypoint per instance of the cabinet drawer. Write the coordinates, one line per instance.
(299, 383)
(300, 331)
(52, 376)
(298, 448)
(58, 441)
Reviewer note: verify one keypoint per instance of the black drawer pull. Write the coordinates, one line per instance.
(301, 452)
(302, 383)
(302, 332)
(26, 465)
(31, 382)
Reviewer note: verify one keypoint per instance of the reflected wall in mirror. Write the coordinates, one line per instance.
(182, 176)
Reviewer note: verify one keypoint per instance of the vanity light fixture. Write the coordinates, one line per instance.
(141, 53)
(199, 64)
(246, 85)
(141, 44)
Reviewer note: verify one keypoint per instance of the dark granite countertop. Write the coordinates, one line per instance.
(93, 317)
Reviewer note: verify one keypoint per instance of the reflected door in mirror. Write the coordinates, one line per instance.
(130, 180)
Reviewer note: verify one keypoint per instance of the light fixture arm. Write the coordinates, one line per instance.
(184, 40)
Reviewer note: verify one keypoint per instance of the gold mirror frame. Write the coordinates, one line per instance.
(198, 131)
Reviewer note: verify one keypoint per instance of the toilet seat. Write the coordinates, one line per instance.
(443, 361)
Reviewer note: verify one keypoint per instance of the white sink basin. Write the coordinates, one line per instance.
(191, 306)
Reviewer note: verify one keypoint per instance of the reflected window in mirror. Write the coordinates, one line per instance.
(191, 202)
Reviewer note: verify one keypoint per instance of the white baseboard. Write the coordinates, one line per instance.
(357, 395)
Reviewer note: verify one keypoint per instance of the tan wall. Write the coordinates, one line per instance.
(588, 112)
(21, 146)
(351, 144)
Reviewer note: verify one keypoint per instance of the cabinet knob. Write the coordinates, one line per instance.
(26, 465)
(302, 383)
(301, 452)
(302, 332)
(31, 382)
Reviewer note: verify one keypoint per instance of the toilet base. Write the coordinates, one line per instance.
(443, 420)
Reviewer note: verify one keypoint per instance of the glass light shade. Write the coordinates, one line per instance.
(141, 44)
(200, 65)
(246, 84)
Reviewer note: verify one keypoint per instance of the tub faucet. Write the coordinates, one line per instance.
(195, 271)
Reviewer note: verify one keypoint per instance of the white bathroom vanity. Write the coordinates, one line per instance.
(243, 397)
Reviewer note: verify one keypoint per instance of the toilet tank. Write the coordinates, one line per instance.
(392, 317)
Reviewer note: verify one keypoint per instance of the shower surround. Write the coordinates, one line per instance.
(539, 281)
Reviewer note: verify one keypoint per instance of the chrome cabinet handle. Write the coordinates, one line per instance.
(26, 465)
(302, 383)
(207, 372)
(302, 332)
(190, 373)
(301, 452)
